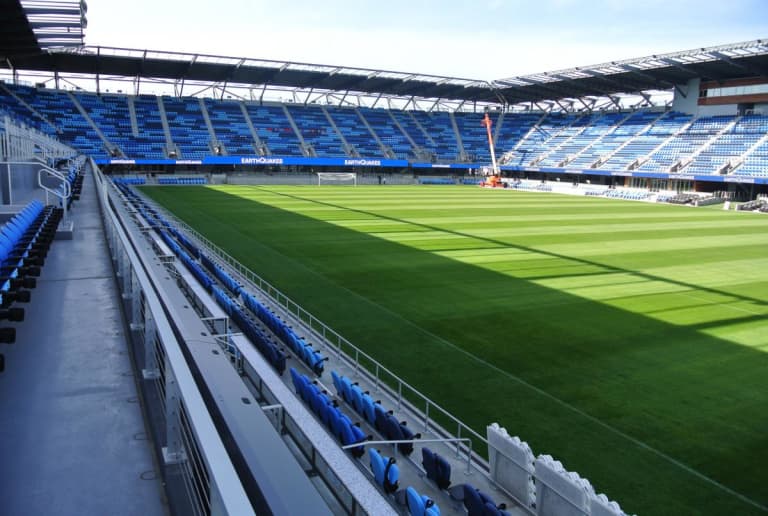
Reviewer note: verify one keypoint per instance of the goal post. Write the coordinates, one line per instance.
(336, 178)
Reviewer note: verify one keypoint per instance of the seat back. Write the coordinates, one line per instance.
(392, 428)
(381, 418)
(472, 501)
(346, 392)
(357, 399)
(443, 470)
(417, 506)
(377, 465)
(334, 417)
(428, 462)
(369, 412)
(406, 433)
(337, 383)
(296, 380)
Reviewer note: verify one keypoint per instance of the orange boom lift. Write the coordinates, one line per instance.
(494, 180)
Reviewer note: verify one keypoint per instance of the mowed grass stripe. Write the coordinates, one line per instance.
(680, 389)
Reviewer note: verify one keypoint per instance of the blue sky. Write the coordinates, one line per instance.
(484, 39)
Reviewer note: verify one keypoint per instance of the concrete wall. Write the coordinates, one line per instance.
(689, 102)
(725, 109)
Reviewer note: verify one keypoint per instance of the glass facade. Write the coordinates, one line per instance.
(752, 89)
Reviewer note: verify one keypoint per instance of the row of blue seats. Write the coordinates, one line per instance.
(539, 187)
(475, 501)
(310, 356)
(596, 193)
(200, 275)
(24, 243)
(170, 235)
(285, 333)
(182, 181)
(479, 503)
(436, 181)
(224, 278)
(131, 180)
(374, 413)
(274, 355)
(437, 468)
(326, 409)
(627, 195)
(75, 178)
(384, 469)
(260, 339)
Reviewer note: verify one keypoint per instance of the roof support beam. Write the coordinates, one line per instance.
(263, 90)
(631, 69)
(576, 84)
(588, 106)
(682, 67)
(567, 110)
(759, 71)
(377, 100)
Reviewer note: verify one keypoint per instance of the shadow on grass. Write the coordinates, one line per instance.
(636, 405)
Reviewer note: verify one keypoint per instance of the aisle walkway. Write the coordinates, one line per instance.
(72, 437)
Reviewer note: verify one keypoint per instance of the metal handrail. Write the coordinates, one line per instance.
(61, 177)
(228, 496)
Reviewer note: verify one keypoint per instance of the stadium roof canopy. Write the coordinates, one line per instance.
(29, 27)
(656, 72)
(586, 87)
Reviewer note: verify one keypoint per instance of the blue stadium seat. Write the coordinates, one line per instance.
(420, 505)
(478, 503)
(438, 469)
(385, 471)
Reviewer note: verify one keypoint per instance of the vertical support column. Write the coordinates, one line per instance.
(151, 369)
(135, 297)
(173, 451)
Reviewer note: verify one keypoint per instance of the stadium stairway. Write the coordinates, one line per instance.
(73, 439)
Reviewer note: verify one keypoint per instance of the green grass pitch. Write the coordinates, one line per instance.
(628, 340)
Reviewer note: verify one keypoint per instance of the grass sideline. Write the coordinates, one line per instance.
(627, 340)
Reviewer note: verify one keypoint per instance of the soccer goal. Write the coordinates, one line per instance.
(337, 178)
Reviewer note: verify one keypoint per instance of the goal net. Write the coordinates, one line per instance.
(337, 178)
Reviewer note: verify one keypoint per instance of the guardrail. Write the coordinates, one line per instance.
(364, 364)
(193, 448)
